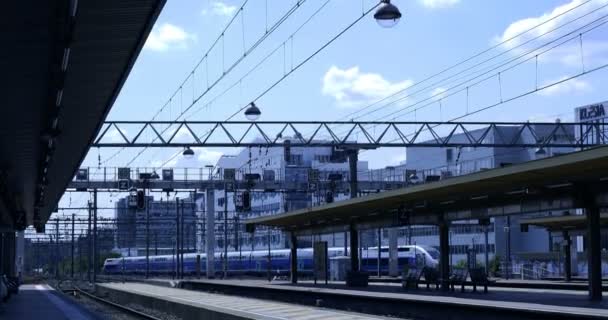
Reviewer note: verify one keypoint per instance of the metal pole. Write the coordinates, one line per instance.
(353, 158)
(57, 248)
(294, 258)
(177, 237)
(269, 261)
(486, 247)
(89, 244)
(567, 257)
(444, 248)
(181, 240)
(94, 235)
(354, 250)
(236, 233)
(72, 269)
(594, 251)
(379, 251)
(210, 233)
(147, 204)
(225, 232)
(508, 260)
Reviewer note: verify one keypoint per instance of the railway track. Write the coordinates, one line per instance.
(115, 306)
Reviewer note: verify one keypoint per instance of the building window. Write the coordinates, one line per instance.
(295, 159)
(449, 155)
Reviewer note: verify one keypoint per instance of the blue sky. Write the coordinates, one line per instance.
(367, 63)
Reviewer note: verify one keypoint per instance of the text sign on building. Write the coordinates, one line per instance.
(167, 174)
(591, 112)
(82, 174)
(124, 173)
(123, 184)
(132, 201)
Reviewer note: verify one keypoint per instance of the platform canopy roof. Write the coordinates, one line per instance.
(579, 175)
(564, 222)
(63, 64)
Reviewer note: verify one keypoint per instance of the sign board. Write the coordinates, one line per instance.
(123, 184)
(132, 201)
(238, 201)
(230, 187)
(313, 175)
(124, 173)
(167, 174)
(312, 186)
(404, 216)
(268, 175)
(229, 174)
(591, 112)
(320, 260)
(82, 174)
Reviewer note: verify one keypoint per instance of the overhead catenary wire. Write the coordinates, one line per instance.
(227, 71)
(295, 68)
(454, 77)
(498, 45)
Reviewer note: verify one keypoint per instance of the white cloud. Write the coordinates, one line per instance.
(221, 9)
(439, 93)
(568, 87)
(167, 36)
(351, 87)
(438, 4)
(569, 53)
(202, 157)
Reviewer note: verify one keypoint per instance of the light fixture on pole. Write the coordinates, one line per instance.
(253, 112)
(540, 151)
(188, 153)
(387, 15)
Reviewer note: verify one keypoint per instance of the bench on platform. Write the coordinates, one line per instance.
(458, 277)
(479, 277)
(431, 276)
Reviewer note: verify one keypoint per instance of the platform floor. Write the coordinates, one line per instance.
(36, 302)
(248, 307)
(542, 300)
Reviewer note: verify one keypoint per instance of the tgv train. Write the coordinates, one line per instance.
(256, 262)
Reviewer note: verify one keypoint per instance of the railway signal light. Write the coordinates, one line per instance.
(141, 200)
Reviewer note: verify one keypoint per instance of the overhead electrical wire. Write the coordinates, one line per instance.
(303, 62)
(498, 45)
(225, 71)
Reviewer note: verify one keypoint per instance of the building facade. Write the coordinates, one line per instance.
(289, 164)
(132, 226)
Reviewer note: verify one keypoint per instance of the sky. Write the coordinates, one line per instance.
(365, 64)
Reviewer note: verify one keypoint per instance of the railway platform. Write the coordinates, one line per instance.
(391, 300)
(188, 304)
(39, 301)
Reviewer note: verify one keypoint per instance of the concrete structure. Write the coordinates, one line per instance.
(61, 76)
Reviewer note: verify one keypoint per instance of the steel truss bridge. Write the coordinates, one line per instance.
(350, 134)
